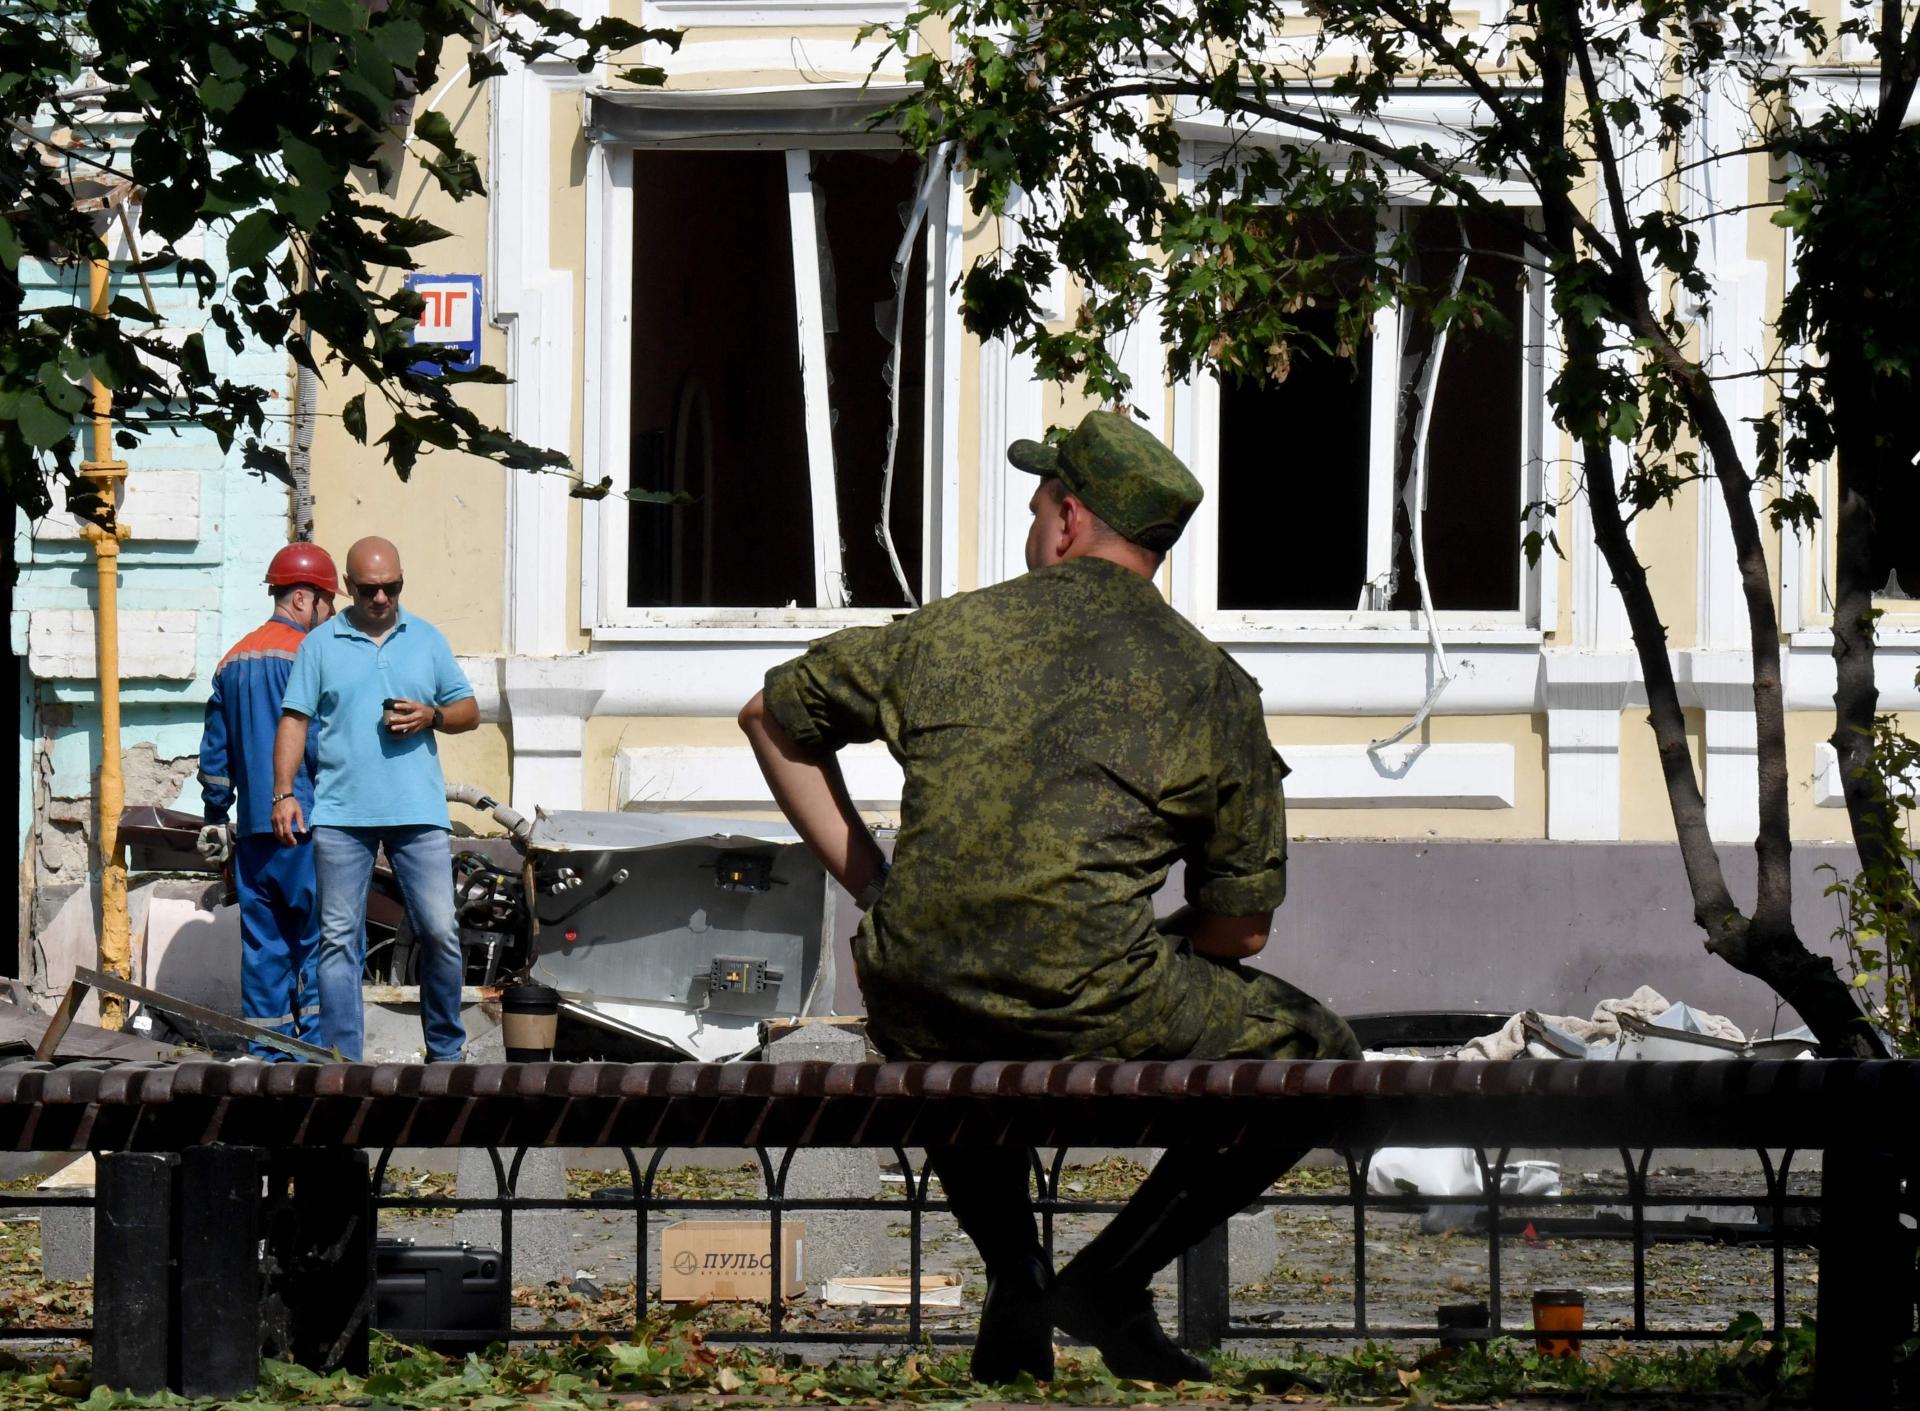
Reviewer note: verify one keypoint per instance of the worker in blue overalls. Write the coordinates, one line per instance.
(279, 905)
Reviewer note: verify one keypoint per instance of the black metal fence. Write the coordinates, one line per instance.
(1205, 1314)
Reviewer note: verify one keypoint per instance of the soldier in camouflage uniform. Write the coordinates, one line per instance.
(1065, 737)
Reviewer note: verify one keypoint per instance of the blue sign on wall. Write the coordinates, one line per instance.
(451, 317)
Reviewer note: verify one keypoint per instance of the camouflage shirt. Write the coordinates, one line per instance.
(1066, 736)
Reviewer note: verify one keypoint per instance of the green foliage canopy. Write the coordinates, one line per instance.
(272, 123)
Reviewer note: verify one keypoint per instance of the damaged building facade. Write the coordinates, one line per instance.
(200, 531)
(727, 291)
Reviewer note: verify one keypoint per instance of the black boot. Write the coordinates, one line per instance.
(1016, 1329)
(987, 1191)
(1103, 1296)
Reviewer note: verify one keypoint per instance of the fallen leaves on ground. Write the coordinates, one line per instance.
(672, 1362)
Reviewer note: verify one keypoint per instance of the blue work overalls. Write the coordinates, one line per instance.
(279, 907)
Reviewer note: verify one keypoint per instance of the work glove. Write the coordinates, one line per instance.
(215, 843)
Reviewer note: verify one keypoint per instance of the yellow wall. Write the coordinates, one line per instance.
(450, 522)
(449, 518)
(481, 758)
(1645, 815)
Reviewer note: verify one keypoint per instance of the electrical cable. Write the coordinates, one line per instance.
(1414, 497)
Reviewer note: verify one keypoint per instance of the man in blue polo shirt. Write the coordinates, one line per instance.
(378, 684)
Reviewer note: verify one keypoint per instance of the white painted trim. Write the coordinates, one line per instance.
(547, 702)
(1585, 695)
(608, 412)
(754, 14)
(1195, 439)
(534, 304)
(1400, 776)
(609, 365)
(829, 576)
(1828, 786)
(670, 777)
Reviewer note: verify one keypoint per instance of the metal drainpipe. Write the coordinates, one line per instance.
(105, 536)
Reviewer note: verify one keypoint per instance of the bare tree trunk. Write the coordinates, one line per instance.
(1772, 952)
(1773, 845)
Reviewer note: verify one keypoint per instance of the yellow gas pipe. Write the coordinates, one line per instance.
(105, 532)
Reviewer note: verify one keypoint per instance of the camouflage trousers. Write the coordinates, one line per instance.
(1228, 1010)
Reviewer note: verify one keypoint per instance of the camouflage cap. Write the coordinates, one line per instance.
(1122, 473)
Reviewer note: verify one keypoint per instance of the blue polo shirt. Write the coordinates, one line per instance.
(364, 776)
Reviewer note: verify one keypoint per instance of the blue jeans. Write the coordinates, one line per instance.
(280, 937)
(422, 862)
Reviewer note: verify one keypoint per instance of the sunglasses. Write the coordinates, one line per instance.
(375, 590)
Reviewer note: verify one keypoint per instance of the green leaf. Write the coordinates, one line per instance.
(219, 95)
(400, 42)
(41, 424)
(253, 239)
(353, 416)
(432, 128)
(10, 247)
(661, 497)
(225, 63)
(62, 393)
(123, 307)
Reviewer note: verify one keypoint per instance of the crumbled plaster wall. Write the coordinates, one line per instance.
(58, 909)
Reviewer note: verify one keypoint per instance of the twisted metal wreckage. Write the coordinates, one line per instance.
(667, 936)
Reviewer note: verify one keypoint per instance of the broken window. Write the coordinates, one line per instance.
(763, 380)
(1314, 473)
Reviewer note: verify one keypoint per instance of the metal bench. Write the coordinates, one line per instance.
(190, 1143)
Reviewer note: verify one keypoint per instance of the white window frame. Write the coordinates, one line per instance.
(1807, 560)
(609, 309)
(1196, 440)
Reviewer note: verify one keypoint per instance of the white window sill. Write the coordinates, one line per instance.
(786, 14)
(753, 625)
(1285, 631)
(1900, 634)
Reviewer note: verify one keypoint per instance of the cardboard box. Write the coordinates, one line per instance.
(730, 1260)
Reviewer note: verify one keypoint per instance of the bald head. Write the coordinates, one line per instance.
(373, 574)
(373, 558)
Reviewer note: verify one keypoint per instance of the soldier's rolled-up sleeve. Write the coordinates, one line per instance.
(837, 692)
(1242, 869)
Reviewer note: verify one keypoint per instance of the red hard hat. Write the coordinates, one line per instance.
(303, 566)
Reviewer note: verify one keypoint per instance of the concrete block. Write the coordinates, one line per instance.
(392, 1034)
(838, 1242)
(543, 1245)
(1253, 1247)
(162, 505)
(153, 644)
(66, 1235)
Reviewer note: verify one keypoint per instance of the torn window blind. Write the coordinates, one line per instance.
(817, 117)
(765, 364)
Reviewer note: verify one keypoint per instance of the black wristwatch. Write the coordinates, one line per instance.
(439, 720)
